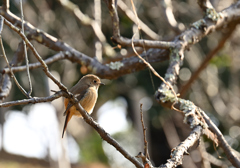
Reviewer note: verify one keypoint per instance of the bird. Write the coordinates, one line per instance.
(86, 92)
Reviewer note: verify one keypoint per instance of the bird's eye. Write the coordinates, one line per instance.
(95, 81)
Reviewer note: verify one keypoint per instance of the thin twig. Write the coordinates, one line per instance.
(98, 20)
(9, 66)
(131, 16)
(144, 135)
(230, 153)
(208, 159)
(60, 85)
(117, 38)
(33, 100)
(153, 70)
(145, 62)
(54, 58)
(86, 20)
(25, 51)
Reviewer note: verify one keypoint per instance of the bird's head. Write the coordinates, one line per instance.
(91, 81)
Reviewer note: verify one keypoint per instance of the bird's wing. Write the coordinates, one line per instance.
(79, 93)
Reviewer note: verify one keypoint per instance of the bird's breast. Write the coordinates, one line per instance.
(89, 100)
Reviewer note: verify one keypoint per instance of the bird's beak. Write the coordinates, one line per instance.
(101, 84)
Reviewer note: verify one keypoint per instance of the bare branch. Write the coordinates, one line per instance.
(5, 80)
(105, 136)
(33, 100)
(5, 5)
(191, 36)
(50, 60)
(182, 149)
(230, 153)
(107, 71)
(9, 66)
(209, 56)
(98, 19)
(60, 85)
(25, 51)
(153, 70)
(205, 4)
(143, 26)
(207, 158)
(117, 38)
(6, 86)
(86, 20)
(145, 157)
(129, 65)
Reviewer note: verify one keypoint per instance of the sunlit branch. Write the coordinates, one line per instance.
(182, 149)
(33, 100)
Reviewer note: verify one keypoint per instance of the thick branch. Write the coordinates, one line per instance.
(107, 71)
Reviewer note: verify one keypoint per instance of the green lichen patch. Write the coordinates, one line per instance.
(212, 14)
(115, 65)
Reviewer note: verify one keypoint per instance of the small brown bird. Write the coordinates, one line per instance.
(86, 91)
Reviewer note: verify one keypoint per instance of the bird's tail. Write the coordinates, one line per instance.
(68, 117)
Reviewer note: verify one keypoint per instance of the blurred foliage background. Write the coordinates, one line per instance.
(216, 90)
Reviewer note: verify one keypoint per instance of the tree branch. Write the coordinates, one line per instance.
(230, 153)
(34, 100)
(182, 149)
(60, 85)
(25, 51)
(117, 38)
(5, 5)
(143, 26)
(105, 136)
(209, 56)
